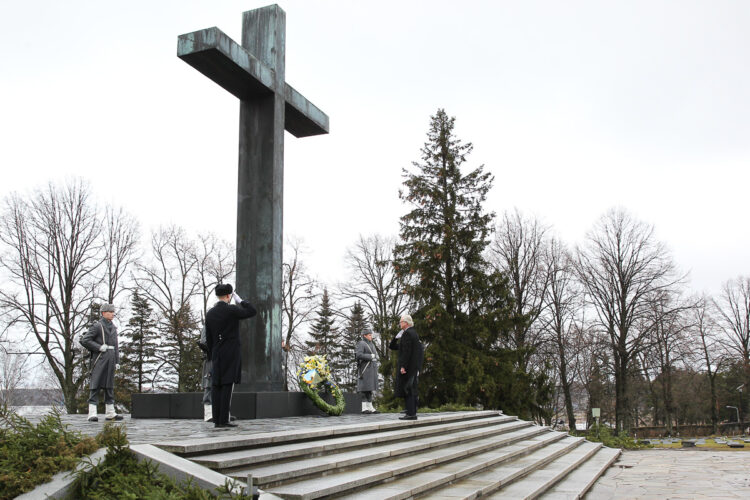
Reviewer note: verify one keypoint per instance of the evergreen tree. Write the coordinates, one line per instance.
(463, 307)
(324, 336)
(137, 350)
(346, 364)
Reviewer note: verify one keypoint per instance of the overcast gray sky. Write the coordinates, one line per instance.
(575, 107)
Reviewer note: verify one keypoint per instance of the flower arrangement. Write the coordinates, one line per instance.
(314, 374)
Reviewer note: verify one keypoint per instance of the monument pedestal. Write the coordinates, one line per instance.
(245, 405)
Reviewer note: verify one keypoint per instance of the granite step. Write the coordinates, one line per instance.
(542, 479)
(252, 456)
(188, 447)
(577, 483)
(419, 451)
(492, 479)
(369, 474)
(434, 479)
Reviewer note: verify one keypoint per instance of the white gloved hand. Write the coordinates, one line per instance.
(236, 298)
(398, 335)
(117, 366)
(103, 348)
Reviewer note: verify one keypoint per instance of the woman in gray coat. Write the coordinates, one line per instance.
(367, 369)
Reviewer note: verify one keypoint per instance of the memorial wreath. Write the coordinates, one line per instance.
(314, 375)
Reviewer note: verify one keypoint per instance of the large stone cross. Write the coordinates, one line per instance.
(254, 72)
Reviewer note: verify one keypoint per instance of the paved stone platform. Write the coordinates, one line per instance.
(153, 430)
(675, 474)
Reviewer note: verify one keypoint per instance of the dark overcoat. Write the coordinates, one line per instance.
(223, 340)
(367, 366)
(410, 354)
(102, 364)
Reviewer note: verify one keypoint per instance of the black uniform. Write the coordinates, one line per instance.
(223, 340)
(410, 354)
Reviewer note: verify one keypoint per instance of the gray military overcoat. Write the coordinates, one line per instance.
(102, 364)
(367, 366)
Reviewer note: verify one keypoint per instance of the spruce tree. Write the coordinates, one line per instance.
(463, 307)
(323, 334)
(138, 343)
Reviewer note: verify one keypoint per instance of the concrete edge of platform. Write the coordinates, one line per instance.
(61, 483)
(181, 469)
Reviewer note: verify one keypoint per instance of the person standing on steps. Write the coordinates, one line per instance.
(367, 369)
(101, 342)
(410, 356)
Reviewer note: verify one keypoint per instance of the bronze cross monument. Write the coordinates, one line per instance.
(254, 72)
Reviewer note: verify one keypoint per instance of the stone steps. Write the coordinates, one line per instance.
(392, 460)
(436, 434)
(434, 479)
(458, 455)
(578, 482)
(491, 479)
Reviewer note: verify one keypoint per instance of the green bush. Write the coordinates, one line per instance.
(604, 435)
(120, 475)
(31, 454)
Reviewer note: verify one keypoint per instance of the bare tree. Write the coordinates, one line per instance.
(733, 316)
(518, 251)
(121, 235)
(52, 258)
(214, 264)
(13, 370)
(562, 306)
(373, 283)
(298, 303)
(622, 267)
(668, 345)
(712, 351)
(170, 283)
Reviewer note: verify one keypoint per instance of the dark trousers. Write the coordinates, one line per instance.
(411, 405)
(221, 398)
(366, 396)
(109, 395)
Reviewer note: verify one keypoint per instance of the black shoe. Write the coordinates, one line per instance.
(226, 425)
(116, 417)
(232, 418)
(374, 412)
(210, 420)
(366, 412)
(408, 417)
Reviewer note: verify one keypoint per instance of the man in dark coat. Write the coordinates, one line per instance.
(223, 342)
(367, 369)
(101, 342)
(410, 355)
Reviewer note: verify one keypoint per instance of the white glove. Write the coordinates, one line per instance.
(236, 298)
(398, 335)
(103, 348)
(117, 366)
(372, 356)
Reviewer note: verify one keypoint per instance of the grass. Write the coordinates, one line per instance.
(711, 444)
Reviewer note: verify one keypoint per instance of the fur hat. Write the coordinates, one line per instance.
(107, 308)
(366, 331)
(224, 289)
